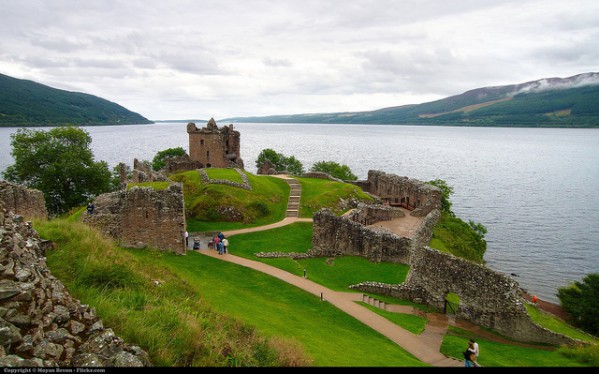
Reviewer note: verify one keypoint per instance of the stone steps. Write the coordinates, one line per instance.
(293, 204)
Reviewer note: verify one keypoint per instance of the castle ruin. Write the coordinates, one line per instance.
(142, 217)
(214, 147)
(486, 297)
(27, 202)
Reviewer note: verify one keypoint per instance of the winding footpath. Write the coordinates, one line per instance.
(425, 347)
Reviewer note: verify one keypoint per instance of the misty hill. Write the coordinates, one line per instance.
(27, 103)
(550, 102)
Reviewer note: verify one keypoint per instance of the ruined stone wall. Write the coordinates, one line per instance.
(141, 217)
(396, 190)
(28, 202)
(336, 236)
(487, 298)
(143, 172)
(246, 185)
(214, 147)
(183, 163)
(424, 232)
(321, 175)
(369, 214)
(41, 324)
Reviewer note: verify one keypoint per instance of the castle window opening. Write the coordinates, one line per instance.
(201, 141)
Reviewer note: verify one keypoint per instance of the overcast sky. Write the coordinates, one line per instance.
(198, 59)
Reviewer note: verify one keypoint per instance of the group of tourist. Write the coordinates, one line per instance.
(220, 243)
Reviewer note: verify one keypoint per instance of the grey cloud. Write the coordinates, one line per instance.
(277, 62)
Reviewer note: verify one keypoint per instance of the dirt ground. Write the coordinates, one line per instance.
(402, 226)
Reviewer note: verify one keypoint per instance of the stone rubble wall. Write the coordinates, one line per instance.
(369, 214)
(183, 163)
(394, 189)
(245, 185)
(340, 236)
(41, 324)
(142, 217)
(487, 298)
(321, 175)
(28, 202)
(143, 172)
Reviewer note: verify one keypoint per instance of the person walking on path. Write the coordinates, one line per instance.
(186, 235)
(475, 352)
(215, 242)
(225, 243)
(469, 356)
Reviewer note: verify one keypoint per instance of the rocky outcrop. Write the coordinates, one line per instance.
(41, 324)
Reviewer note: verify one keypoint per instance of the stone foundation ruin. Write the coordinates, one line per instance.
(487, 298)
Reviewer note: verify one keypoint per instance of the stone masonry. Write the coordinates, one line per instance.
(213, 146)
(41, 324)
(412, 194)
(142, 217)
(28, 202)
(487, 298)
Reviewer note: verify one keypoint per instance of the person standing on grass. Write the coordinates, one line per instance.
(475, 351)
(469, 357)
(225, 244)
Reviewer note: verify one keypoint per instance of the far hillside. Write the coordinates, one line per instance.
(550, 102)
(27, 103)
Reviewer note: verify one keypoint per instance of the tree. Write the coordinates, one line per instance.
(60, 163)
(280, 162)
(272, 156)
(161, 157)
(581, 301)
(334, 169)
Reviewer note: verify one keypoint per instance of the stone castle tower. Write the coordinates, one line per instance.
(214, 147)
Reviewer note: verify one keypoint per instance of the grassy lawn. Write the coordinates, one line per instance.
(279, 309)
(318, 193)
(195, 310)
(224, 174)
(184, 309)
(334, 273)
(500, 354)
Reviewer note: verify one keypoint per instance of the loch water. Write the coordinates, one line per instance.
(534, 189)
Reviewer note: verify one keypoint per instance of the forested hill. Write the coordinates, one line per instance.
(27, 103)
(551, 102)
